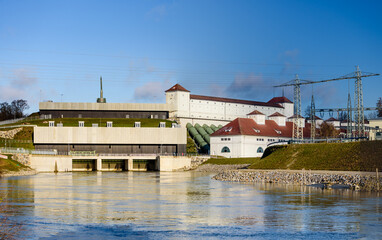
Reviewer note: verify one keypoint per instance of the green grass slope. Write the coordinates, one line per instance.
(8, 165)
(355, 156)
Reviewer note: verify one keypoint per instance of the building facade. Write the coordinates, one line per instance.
(112, 140)
(180, 105)
(249, 137)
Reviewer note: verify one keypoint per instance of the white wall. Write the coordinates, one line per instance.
(44, 163)
(170, 163)
(241, 145)
(110, 135)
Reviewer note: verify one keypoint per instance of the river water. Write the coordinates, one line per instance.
(181, 205)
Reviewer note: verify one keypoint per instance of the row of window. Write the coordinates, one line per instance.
(225, 139)
(260, 139)
(227, 150)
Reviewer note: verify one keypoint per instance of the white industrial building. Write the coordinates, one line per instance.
(180, 105)
(190, 108)
(249, 137)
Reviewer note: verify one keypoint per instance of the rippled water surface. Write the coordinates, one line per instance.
(184, 205)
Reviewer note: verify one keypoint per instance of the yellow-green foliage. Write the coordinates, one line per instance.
(355, 156)
(191, 148)
(229, 161)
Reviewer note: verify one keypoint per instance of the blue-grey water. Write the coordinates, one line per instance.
(180, 205)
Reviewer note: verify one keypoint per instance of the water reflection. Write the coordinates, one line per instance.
(184, 204)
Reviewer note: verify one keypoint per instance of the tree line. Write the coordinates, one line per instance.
(13, 110)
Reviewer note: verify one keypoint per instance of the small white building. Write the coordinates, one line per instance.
(249, 137)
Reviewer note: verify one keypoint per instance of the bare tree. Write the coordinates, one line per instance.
(326, 130)
(379, 107)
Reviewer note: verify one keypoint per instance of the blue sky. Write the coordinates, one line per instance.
(53, 50)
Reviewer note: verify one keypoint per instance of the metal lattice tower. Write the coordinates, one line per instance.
(358, 96)
(358, 101)
(297, 128)
(349, 128)
(312, 120)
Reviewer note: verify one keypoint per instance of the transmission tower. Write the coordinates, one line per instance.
(297, 127)
(358, 99)
(312, 120)
(349, 128)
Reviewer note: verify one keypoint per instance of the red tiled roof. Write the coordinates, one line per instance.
(280, 100)
(276, 114)
(255, 113)
(246, 126)
(230, 100)
(177, 87)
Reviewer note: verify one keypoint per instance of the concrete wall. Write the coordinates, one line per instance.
(104, 106)
(109, 135)
(169, 163)
(45, 163)
(103, 114)
(241, 145)
(113, 148)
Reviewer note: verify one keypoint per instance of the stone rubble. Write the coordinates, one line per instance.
(355, 181)
(10, 134)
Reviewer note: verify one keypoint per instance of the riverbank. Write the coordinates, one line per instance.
(218, 168)
(18, 173)
(10, 167)
(361, 181)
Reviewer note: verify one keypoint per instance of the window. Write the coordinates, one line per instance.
(109, 124)
(137, 124)
(94, 124)
(127, 116)
(81, 123)
(162, 124)
(260, 150)
(277, 131)
(228, 129)
(256, 130)
(51, 123)
(225, 150)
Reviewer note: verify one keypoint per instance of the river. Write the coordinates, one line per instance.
(186, 205)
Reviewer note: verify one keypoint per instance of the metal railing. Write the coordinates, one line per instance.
(28, 151)
(10, 121)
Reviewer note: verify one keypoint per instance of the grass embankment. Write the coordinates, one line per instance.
(355, 156)
(231, 161)
(8, 165)
(117, 122)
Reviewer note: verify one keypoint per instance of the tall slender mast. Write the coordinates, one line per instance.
(101, 93)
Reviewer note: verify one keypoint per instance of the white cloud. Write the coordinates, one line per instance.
(247, 87)
(151, 91)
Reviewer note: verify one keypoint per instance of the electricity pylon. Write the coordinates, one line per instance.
(358, 96)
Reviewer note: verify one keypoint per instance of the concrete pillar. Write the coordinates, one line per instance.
(130, 164)
(99, 164)
(157, 164)
(126, 165)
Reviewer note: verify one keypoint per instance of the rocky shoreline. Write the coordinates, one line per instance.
(214, 168)
(360, 181)
(18, 173)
